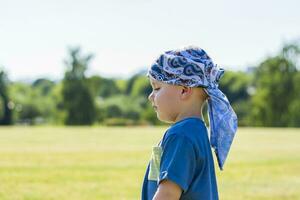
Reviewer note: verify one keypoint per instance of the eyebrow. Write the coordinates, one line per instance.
(153, 83)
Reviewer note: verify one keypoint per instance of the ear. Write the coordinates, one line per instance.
(186, 92)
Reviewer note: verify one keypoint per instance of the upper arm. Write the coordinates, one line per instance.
(167, 190)
(178, 162)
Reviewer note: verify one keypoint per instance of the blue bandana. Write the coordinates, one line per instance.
(192, 67)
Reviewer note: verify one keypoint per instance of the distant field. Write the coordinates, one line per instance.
(82, 163)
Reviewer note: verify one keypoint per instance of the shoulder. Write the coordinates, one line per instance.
(188, 128)
(188, 133)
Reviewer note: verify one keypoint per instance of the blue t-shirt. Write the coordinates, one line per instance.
(184, 157)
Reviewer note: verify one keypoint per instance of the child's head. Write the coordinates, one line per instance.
(178, 82)
(182, 80)
(173, 102)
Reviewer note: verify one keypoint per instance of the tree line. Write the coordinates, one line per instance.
(265, 95)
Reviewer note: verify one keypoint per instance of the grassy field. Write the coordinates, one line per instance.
(109, 163)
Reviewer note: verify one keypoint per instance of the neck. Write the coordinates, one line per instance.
(193, 111)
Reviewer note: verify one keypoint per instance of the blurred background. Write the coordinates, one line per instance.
(70, 68)
(83, 63)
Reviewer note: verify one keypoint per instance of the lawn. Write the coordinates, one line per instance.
(109, 163)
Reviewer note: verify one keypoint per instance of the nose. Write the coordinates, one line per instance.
(150, 97)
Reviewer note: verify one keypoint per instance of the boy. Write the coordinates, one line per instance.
(181, 166)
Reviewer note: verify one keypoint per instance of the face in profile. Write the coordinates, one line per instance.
(165, 100)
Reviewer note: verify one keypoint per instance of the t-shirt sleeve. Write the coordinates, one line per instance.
(178, 161)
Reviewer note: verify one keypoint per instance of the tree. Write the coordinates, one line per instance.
(294, 107)
(235, 85)
(292, 53)
(132, 80)
(103, 87)
(141, 87)
(77, 98)
(275, 89)
(44, 85)
(6, 118)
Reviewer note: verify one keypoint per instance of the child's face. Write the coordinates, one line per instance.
(165, 99)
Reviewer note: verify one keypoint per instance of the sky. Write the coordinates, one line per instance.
(126, 36)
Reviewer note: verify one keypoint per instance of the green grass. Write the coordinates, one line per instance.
(109, 163)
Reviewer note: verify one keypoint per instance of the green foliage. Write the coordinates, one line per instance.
(294, 106)
(44, 85)
(6, 113)
(121, 106)
(77, 97)
(276, 92)
(31, 105)
(59, 113)
(77, 64)
(121, 85)
(235, 85)
(29, 113)
(1, 108)
(78, 103)
(130, 83)
(269, 96)
(140, 87)
(102, 86)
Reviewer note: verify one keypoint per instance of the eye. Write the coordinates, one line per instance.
(156, 89)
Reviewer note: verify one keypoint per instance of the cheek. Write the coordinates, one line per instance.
(166, 98)
(160, 96)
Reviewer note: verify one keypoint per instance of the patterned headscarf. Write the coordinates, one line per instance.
(192, 67)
